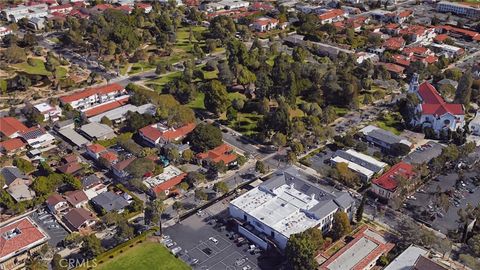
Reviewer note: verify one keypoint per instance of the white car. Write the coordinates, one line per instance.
(214, 240)
(176, 250)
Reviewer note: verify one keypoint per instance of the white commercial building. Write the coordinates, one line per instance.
(365, 166)
(459, 9)
(19, 12)
(91, 97)
(284, 205)
(119, 114)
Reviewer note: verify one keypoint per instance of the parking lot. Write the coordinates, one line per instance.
(209, 245)
(424, 153)
(424, 203)
(50, 225)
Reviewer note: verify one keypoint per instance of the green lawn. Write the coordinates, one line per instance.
(389, 122)
(198, 102)
(39, 69)
(144, 256)
(340, 111)
(246, 123)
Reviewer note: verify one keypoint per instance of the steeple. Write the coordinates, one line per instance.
(413, 88)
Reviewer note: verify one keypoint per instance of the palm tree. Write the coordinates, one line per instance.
(159, 207)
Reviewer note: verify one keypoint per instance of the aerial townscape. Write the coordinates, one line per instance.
(240, 134)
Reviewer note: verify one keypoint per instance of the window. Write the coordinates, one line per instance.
(272, 234)
(244, 217)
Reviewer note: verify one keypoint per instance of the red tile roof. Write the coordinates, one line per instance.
(389, 179)
(10, 125)
(153, 133)
(401, 60)
(472, 34)
(92, 91)
(12, 144)
(265, 21)
(96, 148)
(169, 183)
(29, 235)
(415, 50)
(106, 107)
(394, 43)
(441, 38)
(381, 248)
(393, 68)
(110, 156)
(433, 103)
(331, 14)
(120, 166)
(405, 13)
(220, 153)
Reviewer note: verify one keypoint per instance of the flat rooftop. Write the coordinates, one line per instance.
(169, 172)
(364, 249)
(290, 204)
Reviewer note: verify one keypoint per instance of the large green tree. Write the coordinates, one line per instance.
(205, 137)
(216, 97)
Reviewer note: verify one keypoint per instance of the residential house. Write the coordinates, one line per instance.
(386, 186)
(94, 150)
(97, 131)
(70, 167)
(396, 71)
(76, 198)
(164, 182)
(93, 186)
(110, 157)
(223, 153)
(93, 96)
(63, 9)
(402, 16)
(160, 134)
(48, 111)
(119, 169)
(362, 252)
(309, 206)
(331, 16)
(79, 219)
(12, 146)
(382, 138)
(264, 24)
(418, 33)
(10, 127)
(448, 51)
(38, 138)
(433, 111)
(17, 184)
(394, 44)
(110, 202)
(56, 203)
(20, 240)
(365, 166)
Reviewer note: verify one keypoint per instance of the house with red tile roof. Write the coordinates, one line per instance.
(402, 16)
(458, 32)
(38, 138)
(93, 96)
(109, 156)
(433, 111)
(20, 239)
(164, 182)
(223, 153)
(12, 146)
(264, 24)
(395, 70)
(79, 219)
(11, 127)
(119, 168)
(159, 134)
(70, 168)
(417, 33)
(147, 8)
(386, 186)
(361, 253)
(94, 150)
(394, 43)
(105, 107)
(333, 15)
(64, 9)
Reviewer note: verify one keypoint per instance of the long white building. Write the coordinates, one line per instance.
(284, 205)
(471, 11)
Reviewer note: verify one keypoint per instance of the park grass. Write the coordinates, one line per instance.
(236, 95)
(144, 256)
(246, 123)
(39, 69)
(388, 122)
(198, 102)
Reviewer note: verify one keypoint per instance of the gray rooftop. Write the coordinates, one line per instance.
(11, 173)
(357, 160)
(110, 201)
(407, 259)
(120, 112)
(98, 131)
(73, 136)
